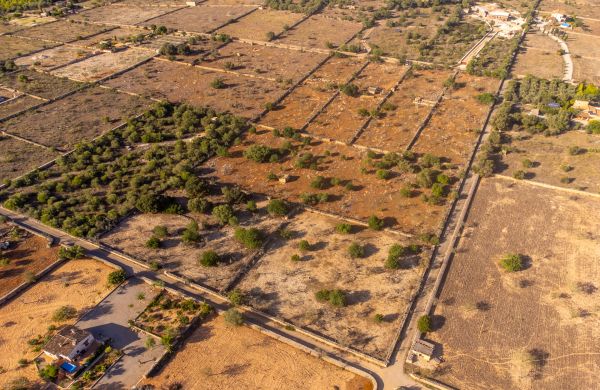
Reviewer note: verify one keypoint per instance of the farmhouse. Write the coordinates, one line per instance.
(68, 343)
(424, 349)
(560, 18)
(500, 15)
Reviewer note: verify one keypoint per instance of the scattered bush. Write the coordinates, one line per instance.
(335, 297)
(277, 207)
(64, 313)
(378, 318)
(250, 238)
(375, 223)
(208, 259)
(217, 83)
(350, 90)
(424, 324)
(223, 213)
(191, 233)
(343, 228)
(117, 277)
(233, 317)
(512, 262)
(236, 297)
(72, 252)
(160, 231)
(304, 246)
(153, 243)
(356, 251)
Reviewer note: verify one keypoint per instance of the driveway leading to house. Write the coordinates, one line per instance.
(109, 319)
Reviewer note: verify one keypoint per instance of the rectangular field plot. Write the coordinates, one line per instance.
(198, 49)
(103, 65)
(51, 58)
(457, 120)
(317, 31)
(533, 328)
(18, 104)
(586, 57)
(267, 363)
(79, 284)
(337, 70)
(78, 117)
(19, 157)
(176, 256)
(271, 62)
(62, 31)
(39, 84)
(551, 162)
(180, 83)
(116, 35)
(539, 57)
(11, 47)
(120, 14)
(286, 288)
(298, 107)
(259, 23)
(200, 19)
(359, 193)
(398, 125)
(582, 8)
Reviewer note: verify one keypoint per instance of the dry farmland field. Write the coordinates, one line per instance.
(115, 35)
(174, 255)
(286, 288)
(259, 23)
(200, 19)
(80, 116)
(398, 124)
(585, 52)
(548, 159)
(78, 283)
(11, 47)
(27, 255)
(162, 79)
(38, 84)
(19, 157)
(200, 47)
(539, 57)
(18, 104)
(271, 62)
(534, 328)
(359, 193)
(243, 358)
(581, 8)
(337, 70)
(122, 15)
(457, 120)
(51, 58)
(318, 30)
(62, 31)
(104, 65)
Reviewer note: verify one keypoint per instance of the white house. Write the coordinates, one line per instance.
(68, 343)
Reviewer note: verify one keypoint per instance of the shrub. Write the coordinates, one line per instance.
(64, 313)
(191, 234)
(258, 153)
(575, 150)
(593, 127)
(49, 373)
(424, 324)
(20, 383)
(236, 297)
(395, 253)
(233, 317)
(383, 174)
(286, 234)
(295, 257)
(319, 183)
(150, 342)
(217, 83)
(153, 243)
(208, 259)
(378, 318)
(512, 262)
(375, 223)
(304, 246)
(527, 163)
(223, 213)
(250, 238)
(334, 297)
(160, 231)
(251, 206)
(198, 205)
(425, 178)
(4, 261)
(343, 228)
(277, 207)
(519, 175)
(355, 251)
(350, 90)
(116, 277)
(486, 98)
(72, 252)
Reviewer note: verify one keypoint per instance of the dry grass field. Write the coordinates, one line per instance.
(531, 329)
(18, 104)
(19, 157)
(62, 31)
(581, 8)
(286, 288)
(51, 58)
(162, 79)
(104, 65)
(551, 161)
(27, 255)
(200, 19)
(539, 57)
(243, 358)
(81, 116)
(38, 84)
(78, 283)
(122, 14)
(336, 71)
(317, 31)
(115, 35)
(585, 52)
(256, 25)
(11, 47)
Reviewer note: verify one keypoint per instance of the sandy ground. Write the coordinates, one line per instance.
(79, 283)
(121, 14)
(62, 31)
(200, 19)
(48, 59)
(318, 30)
(243, 358)
(39, 84)
(532, 329)
(256, 25)
(16, 105)
(286, 288)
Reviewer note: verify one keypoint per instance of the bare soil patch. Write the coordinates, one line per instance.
(539, 63)
(121, 14)
(256, 25)
(200, 19)
(396, 128)
(19, 157)
(337, 70)
(241, 357)
(457, 120)
(534, 328)
(585, 52)
(39, 84)
(62, 31)
(551, 162)
(180, 83)
(581, 8)
(115, 35)
(103, 65)
(51, 58)
(11, 47)
(286, 288)
(317, 31)
(78, 283)
(17, 105)
(83, 115)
